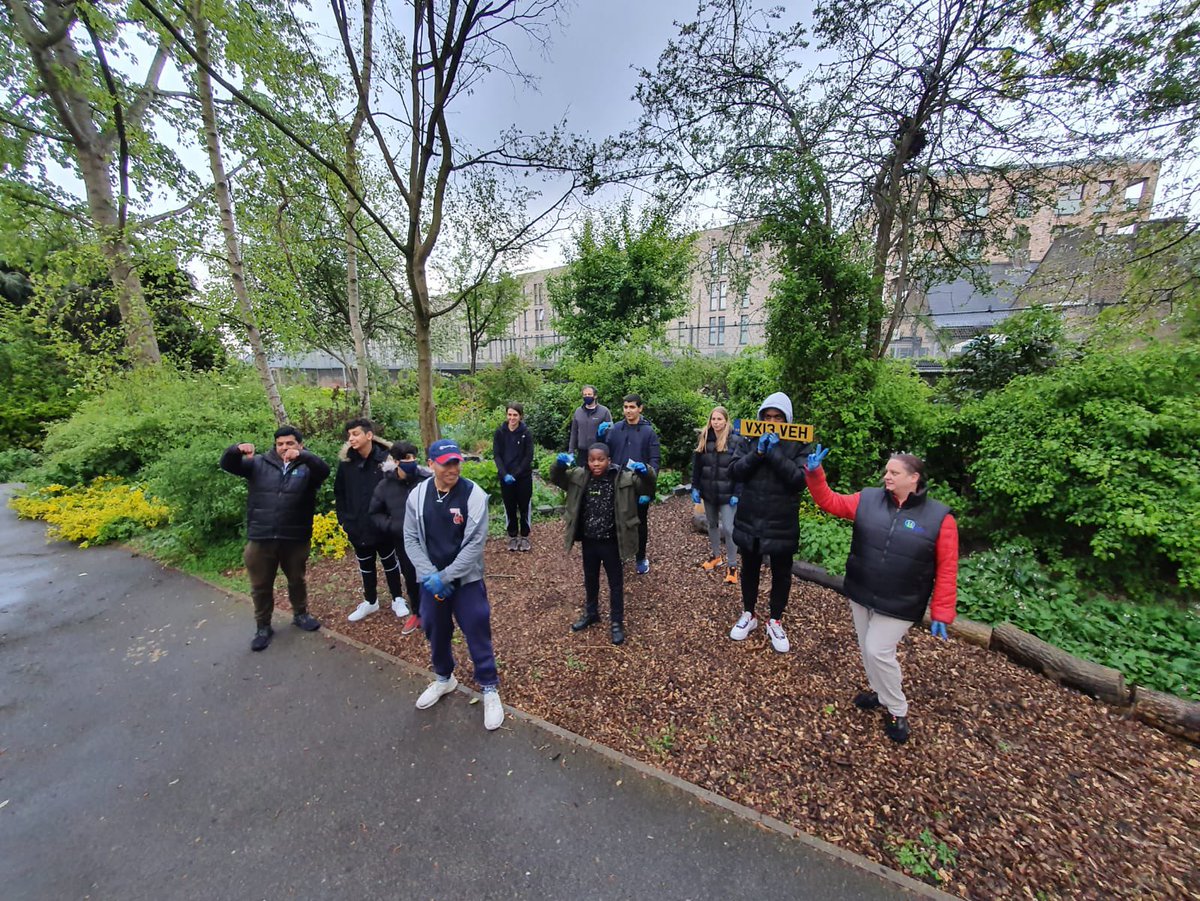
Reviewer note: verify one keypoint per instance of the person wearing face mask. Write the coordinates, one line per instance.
(401, 475)
(903, 557)
(512, 452)
(586, 421)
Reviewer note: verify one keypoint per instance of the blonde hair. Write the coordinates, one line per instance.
(722, 436)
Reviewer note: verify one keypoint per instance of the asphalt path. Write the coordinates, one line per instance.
(145, 752)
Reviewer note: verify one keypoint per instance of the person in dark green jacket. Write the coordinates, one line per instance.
(602, 514)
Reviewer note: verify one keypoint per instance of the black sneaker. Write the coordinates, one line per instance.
(306, 621)
(262, 638)
(618, 633)
(896, 728)
(866, 700)
(588, 619)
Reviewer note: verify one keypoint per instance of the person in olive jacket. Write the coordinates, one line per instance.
(713, 484)
(767, 520)
(360, 469)
(903, 557)
(602, 515)
(512, 452)
(401, 474)
(280, 504)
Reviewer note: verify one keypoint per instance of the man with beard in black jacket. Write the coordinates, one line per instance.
(283, 487)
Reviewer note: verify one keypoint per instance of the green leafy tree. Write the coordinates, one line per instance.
(489, 310)
(623, 280)
(1028, 342)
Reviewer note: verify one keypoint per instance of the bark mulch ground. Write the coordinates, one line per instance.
(1039, 792)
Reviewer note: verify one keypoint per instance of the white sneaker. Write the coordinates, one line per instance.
(434, 692)
(400, 608)
(744, 626)
(493, 710)
(778, 637)
(362, 611)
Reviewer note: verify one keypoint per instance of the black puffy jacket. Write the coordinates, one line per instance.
(353, 486)
(280, 505)
(388, 503)
(768, 510)
(712, 470)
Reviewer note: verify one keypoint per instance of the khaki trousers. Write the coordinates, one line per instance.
(878, 636)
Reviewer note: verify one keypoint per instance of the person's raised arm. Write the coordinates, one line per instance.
(844, 506)
(237, 460)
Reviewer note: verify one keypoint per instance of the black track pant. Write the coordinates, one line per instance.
(781, 581)
(599, 552)
(517, 498)
(370, 579)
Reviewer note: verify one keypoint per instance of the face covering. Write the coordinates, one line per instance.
(589, 401)
(409, 467)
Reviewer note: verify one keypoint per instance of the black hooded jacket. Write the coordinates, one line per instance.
(712, 470)
(388, 502)
(768, 510)
(353, 486)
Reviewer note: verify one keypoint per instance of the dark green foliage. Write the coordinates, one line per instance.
(512, 380)
(676, 420)
(1028, 343)
(1155, 645)
(751, 377)
(622, 280)
(15, 462)
(1097, 460)
(817, 309)
(36, 387)
(548, 415)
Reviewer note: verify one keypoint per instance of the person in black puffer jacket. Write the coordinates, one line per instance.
(512, 451)
(713, 483)
(360, 469)
(282, 498)
(767, 520)
(401, 476)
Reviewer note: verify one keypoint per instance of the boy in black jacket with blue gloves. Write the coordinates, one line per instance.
(634, 439)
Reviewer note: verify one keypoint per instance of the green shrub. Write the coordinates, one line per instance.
(512, 380)
(146, 413)
(485, 476)
(824, 539)
(15, 462)
(1096, 460)
(1156, 645)
(548, 415)
(752, 376)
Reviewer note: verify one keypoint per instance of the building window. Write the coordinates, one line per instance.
(525, 321)
(1020, 242)
(539, 318)
(1134, 193)
(972, 242)
(716, 331)
(537, 293)
(1022, 204)
(743, 329)
(716, 261)
(1070, 200)
(977, 203)
(745, 301)
(717, 296)
(1104, 196)
(747, 253)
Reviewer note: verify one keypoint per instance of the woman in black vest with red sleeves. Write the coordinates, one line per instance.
(903, 557)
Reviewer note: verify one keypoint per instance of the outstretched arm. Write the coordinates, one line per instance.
(844, 506)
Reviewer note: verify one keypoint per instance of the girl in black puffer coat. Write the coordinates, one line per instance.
(767, 520)
(714, 485)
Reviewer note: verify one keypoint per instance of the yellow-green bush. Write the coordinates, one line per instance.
(328, 539)
(106, 510)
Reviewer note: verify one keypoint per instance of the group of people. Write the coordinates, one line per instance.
(427, 527)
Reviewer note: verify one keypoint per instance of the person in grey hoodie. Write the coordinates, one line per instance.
(585, 421)
(767, 524)
(445, 528)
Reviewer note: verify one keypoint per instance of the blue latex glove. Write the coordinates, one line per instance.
(509, 478)
(733, 501)
(644, 500)
(635, 466)
(602, 430)
(437, 587)
(695, 495)
(767, 441)
(815, 458)
(938, 630)
(566, 459)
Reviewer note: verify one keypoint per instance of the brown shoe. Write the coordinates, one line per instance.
(709, 565)
(732, 576)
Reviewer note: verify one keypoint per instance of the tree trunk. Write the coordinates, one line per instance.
(233, 251)
(60, 73)
(430, 432)
(362, 384)
(1167, 712)
(1102, 682)
(474, 355)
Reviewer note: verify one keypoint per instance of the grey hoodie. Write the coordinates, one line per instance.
(779, 401)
